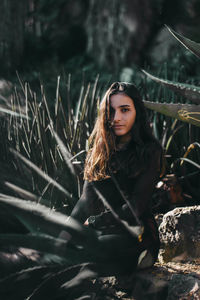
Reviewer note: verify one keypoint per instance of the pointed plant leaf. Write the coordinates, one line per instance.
(38, 218)
(14, 259)
(69, 282)
(47, 245)
(189, 161)
(27, 195)
(21, 191)
(135, 231)
(43, 174)
(24, 282)
(13, 113)
(189, 113)
(191, 92)
(173, 132)
(187, 43)
(77, 154)
(42, 243)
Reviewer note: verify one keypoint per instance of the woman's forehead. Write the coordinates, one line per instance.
(118, 100)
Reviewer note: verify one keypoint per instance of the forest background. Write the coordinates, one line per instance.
(47, 38)
(68, 52)
(57, 58)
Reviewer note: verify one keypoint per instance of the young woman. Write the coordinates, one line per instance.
(121, 169)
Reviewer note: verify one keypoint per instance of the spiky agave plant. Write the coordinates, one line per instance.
(189, 113)
(30, 259)
(49, 256)
(184, 112)
(56, 257)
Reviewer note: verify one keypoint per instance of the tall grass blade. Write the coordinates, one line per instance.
(57, 97)
(189, 161)
(12, 113)
(77, 113)
(65, 153)
(69, 107)
(83, 109)
(190, 148)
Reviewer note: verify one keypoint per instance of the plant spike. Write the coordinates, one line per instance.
(187, 43)
(43, 175)
(40, 219)
(191, 92)
(185, 112)
(46, 244)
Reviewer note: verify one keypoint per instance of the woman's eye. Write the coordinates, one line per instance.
(125, 109)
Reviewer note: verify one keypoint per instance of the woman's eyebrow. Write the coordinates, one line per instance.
(120, 106)
(124, 105)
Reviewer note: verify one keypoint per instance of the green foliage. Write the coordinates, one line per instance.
(39, 131)
(48, 141)
(175, 139)
(67, 254)
(184, 112)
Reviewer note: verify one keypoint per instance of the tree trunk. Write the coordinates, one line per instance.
(12, 20)
(118, 31)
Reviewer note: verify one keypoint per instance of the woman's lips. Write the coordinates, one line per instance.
(117, 126)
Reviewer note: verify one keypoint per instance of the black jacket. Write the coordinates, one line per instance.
(131, 178)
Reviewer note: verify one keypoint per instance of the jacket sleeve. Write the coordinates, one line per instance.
(144, 185)
(85, 206)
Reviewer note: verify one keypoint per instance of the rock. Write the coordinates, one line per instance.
(183, 287)
(149, 285)
(180, 234)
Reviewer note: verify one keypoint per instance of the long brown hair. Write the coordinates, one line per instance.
(102, 140)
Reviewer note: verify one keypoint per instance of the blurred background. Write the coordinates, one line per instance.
(57, 58)
(40, 37)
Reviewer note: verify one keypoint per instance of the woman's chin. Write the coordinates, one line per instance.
(119, 132)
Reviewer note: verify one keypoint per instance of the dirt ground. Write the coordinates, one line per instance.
(111, 288)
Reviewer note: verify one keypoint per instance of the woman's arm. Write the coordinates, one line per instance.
(144, 185)
(85, 206)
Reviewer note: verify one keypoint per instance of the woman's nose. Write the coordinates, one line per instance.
(117, 116)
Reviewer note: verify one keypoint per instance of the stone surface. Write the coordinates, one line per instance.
(184, 287)
(180, 234)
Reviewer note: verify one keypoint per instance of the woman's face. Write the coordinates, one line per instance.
(123, 114)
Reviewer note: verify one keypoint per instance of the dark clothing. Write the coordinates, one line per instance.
(131, 184)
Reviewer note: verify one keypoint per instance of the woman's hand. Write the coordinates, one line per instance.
(86, 223)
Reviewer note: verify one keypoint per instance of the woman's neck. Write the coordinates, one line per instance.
(122, 141)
